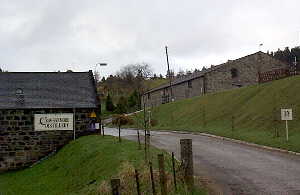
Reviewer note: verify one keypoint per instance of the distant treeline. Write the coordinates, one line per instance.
(289, 56)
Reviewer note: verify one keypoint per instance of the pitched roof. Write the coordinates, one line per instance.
(47, 90)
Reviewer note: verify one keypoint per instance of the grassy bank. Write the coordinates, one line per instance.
(81, 167)
(250, 113)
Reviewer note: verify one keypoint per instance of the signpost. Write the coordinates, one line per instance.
(287, 115)
(97, 126)
(52, 122)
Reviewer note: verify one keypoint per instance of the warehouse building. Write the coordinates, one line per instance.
(241, 72)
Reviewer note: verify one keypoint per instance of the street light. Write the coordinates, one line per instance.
(99, 64)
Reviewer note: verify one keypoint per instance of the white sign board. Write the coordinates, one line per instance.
(50, 122)
(97, 125)
(286, 114)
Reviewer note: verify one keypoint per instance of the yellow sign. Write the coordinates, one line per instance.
(93, 115)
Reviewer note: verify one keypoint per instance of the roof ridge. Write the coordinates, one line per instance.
(41, 72)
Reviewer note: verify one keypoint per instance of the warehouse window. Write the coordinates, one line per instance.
(19, 91)
(19, 96)
(234, 73)
(190, 84)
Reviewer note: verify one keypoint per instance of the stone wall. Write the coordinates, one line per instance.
(233, 74)
(21, 146)
(247, 69)
(195, 87)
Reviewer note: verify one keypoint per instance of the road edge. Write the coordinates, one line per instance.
(237, 141)
(231, 140)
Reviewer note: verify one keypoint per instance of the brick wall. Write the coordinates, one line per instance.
(21, 146)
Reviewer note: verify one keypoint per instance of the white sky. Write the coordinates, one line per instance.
(50, 35)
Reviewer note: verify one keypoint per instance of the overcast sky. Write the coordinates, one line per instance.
(51, 35)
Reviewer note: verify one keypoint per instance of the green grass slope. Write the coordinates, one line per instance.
(255, 109)
(79, 168)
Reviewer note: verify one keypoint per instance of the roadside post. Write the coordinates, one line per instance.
(152, 179)
(174, 171)
(162, 174)
(287, 115)
(149, 119)
(74, 124)
(97, 127)
(187, 162)
(103, 129)
(115, 186)
(137, 182)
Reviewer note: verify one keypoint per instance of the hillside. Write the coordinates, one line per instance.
(250, 113)
(81, 167)
(153, 83)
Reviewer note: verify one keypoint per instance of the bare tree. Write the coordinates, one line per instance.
(130, 71)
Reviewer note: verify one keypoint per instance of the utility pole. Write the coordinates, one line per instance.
(295, 66)
(169, 73)
(98, 95)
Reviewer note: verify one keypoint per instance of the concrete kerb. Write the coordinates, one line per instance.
(231, 140)
(236, 141)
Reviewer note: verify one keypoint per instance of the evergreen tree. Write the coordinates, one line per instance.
(109, 104)
(134, 100)
(122, 105)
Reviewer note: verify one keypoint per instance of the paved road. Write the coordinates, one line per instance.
(234, 168)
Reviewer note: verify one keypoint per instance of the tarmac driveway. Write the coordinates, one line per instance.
(232, 168)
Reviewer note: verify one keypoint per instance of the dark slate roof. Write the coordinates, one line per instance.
(48, 90)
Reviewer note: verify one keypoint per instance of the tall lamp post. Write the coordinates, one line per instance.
(98, 64)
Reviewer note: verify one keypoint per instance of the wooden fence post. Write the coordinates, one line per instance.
(148, 146)
(174, 171)
(139, 139)
(232, 124)
(152, 179)
(187, 162)
(162, 175)
(103, 130)
(115, 186)
(137, 182)
(119, 133)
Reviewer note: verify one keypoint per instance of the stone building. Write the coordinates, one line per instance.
(38, 113)
(237, 73)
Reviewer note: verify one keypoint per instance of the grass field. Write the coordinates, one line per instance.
(250, 113)
(81, 167)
